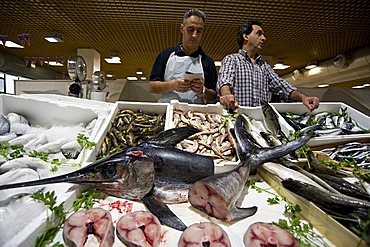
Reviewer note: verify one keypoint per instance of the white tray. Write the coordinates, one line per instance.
(298, 108)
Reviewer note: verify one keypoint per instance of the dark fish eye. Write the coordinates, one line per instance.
(109, 171)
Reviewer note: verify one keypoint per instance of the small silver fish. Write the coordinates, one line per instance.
(4, 125)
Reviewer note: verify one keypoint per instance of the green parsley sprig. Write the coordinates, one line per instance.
(294, 224)
(55, 221)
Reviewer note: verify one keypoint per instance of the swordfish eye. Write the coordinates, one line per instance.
(109, 171)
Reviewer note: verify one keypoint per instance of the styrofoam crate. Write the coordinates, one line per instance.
(129, 105)
(176, 105)
(220, 165)
(298, 108)
(71, 100)
(46, 114)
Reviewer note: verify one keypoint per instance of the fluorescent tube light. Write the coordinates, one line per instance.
(56, 38)
(280, 66)
(11, 44)
(132, 78)
(323, 85)
(218, 63)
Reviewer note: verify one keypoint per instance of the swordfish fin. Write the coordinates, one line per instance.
(173, 136)
(163, 213)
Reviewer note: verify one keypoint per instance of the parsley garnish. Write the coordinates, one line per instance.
(58, 216)
(294, 224)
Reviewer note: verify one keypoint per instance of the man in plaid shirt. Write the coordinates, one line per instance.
(245, 79)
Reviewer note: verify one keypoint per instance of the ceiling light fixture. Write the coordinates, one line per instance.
(109, 75)
(139, 72)
(314, 71)
(280, 65)
(132, 78)
(218, 63)
(323, 85)
(358, 87)
(311, 65)
(55, 63)
(11, 44)
(114, 59)
(55, 38)
(143, 78)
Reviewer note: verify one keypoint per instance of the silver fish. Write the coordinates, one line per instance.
(4, 125)
(333, 203)
(271, 119)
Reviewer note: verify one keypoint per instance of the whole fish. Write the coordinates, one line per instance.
(4, 125)
(334, 203)
(131, 174)
(271, 119)
(344, 186)
(217, 195)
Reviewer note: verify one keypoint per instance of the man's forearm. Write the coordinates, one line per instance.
(296, 95)
(160, 87)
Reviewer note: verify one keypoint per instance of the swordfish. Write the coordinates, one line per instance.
(136, 173)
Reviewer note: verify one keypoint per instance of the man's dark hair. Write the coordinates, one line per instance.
(246, 28)
(194, 12)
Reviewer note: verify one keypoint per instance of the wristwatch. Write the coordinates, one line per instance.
(203, 91)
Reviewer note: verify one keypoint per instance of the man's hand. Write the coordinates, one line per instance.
(311, 102)
(197, 86)
(229, 101)
(182, 85)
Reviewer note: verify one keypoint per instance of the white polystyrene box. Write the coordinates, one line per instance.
(40, 112)
(44, 113)
(129, 105)
(298, 108)
(176, 105)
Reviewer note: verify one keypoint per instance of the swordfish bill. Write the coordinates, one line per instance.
(125, 175)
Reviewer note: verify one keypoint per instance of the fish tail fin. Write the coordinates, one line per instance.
(173, 136)
(267, 154)
(241, 213)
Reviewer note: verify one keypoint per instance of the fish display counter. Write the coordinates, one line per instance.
(137, 147)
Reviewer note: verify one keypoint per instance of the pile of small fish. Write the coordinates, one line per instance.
(130, 128)
(331, 123)
(214, 138)
(354, 151)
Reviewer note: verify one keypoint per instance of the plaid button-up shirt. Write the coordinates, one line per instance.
(251, 82)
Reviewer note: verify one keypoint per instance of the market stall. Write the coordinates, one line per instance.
(264, 191)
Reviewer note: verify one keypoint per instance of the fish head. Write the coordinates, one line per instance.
(127, 175)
